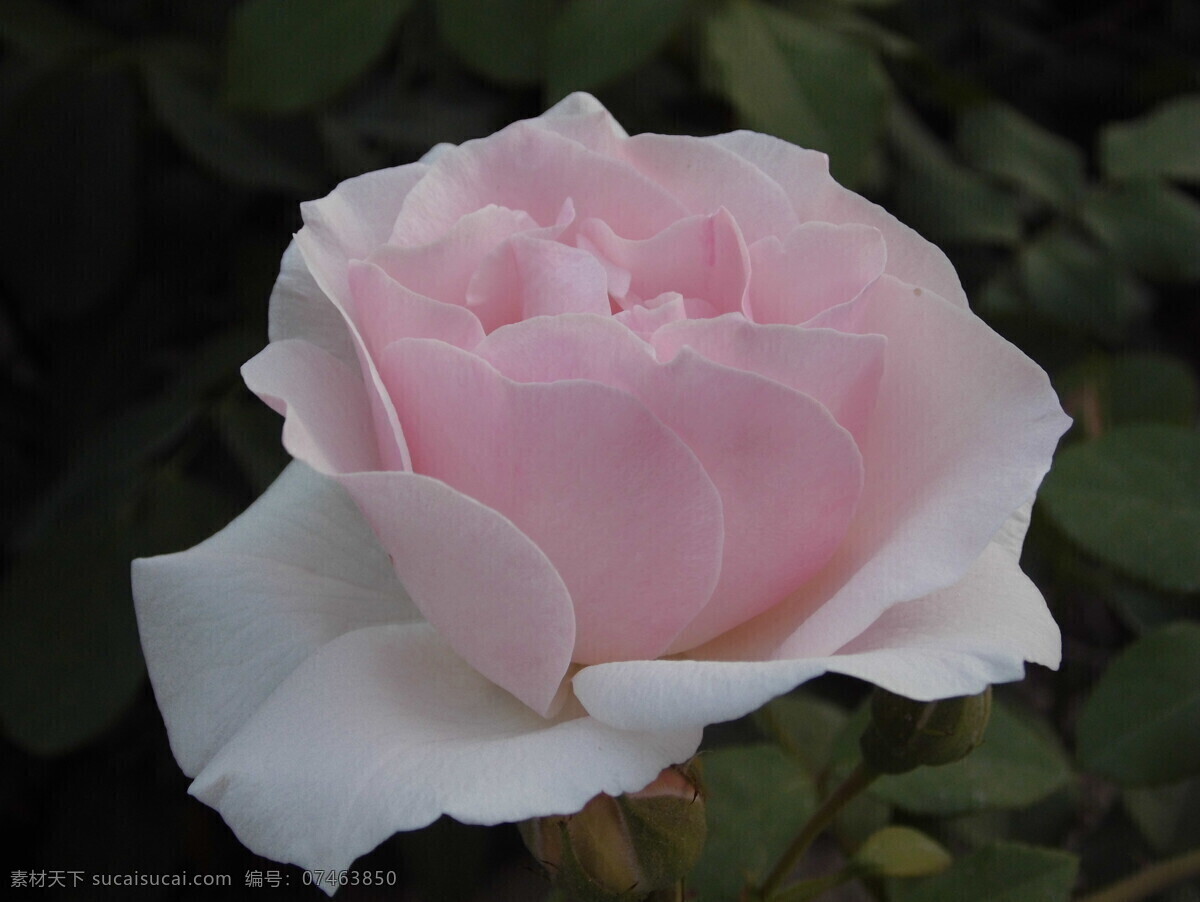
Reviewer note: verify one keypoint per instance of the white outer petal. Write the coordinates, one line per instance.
(385, 729)
(222, 624)
(300, 309)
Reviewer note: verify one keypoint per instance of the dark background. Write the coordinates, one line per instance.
(154, 156)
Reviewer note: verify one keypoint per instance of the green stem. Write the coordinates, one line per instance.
(860, 778)
(1149, 880)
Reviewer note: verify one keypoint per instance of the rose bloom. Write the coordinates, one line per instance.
(598, 439)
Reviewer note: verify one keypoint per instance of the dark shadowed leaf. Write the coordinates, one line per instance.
(1141, 724)
(757, 800)
(1150, 226)
(943, 200)
(805, 84)
(1132, 499)
(47, 31)
(1164, 142)
(1104, 392)
(504, 40)
(1004, 872)
(1067, 279)
(1166, 815)
(70, 188)
(251, 432)
(998, 140)
(287, 55)
(73, 661)
(591, 43)
(180, 88)
(805, 726)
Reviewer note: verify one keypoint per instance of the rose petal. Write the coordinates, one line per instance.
(804, 175)
(500, 604)
(955, 641)
(300, 309)
(225, 622)
(812, 268)
(386, 311)
(646, 320)
(706, 177)
(443, 268)
(527, 167)
(327, 422)
(583, 118)
(947, 462)
(699, 257)
(788, 475)
(347, 224)
(385, 729)
(839, 370)
(536, 277)
(619, 504)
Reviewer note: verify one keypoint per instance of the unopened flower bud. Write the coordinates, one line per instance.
(904, 734)
(624, 848)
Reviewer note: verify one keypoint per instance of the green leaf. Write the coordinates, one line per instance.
(1150, 226)
(1070, 280)
(288, 55)
(1141, 724)
(591, 43)
(998, 140)
(1166, 815)
(1004, 872)
(805, 726)
(1132, 499)
(901, 852)
(757, 800)
(1104, 392)
(47, 31)
(1017, 764)
(778, 70)
(504, 40)
(947, 202)
(1164, 142)
(251, 430)
(179, 85)
(1141, 607)
(73, 661)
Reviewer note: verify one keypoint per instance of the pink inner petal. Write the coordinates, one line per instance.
(812, 268)
(386, 311)
(804, 176)
(840, 370)
(706, 177)
(961, 436)
(700, 257)
(442, 269)
(502, 605)
(788, 474)
(527, 167)
(616, 501)
(647, 319)
(349, 223)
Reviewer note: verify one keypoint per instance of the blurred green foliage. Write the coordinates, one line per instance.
(156, 156)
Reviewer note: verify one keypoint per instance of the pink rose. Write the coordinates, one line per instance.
(649, 429)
